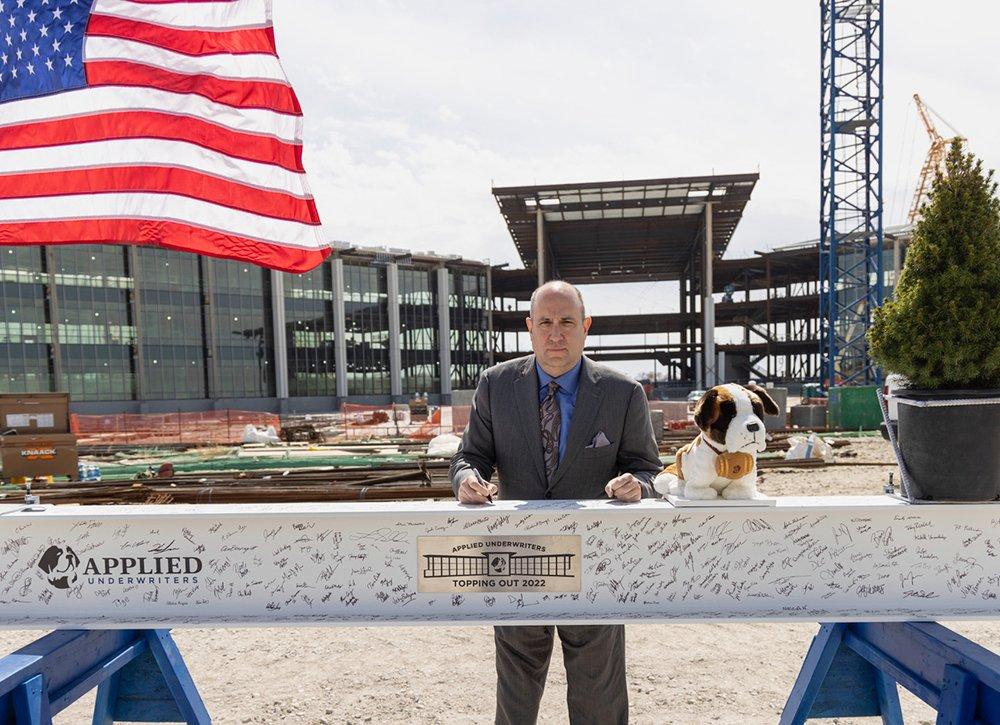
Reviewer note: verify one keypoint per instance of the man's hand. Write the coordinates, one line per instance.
(624, 488)
(471, 490)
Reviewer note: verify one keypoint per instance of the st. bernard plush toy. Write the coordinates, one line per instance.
(722, 459)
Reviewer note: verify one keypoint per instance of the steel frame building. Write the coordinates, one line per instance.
(629, 231)
(638, 231)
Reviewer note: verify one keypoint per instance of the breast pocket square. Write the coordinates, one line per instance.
(600, 441)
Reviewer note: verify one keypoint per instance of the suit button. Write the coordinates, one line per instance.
(548, 494)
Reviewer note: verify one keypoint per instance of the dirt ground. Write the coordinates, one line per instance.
(677, 673)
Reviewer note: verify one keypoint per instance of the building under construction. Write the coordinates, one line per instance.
(144, 330)
(737, 319)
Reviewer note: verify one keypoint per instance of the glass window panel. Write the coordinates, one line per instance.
(366, 314)
(309, 332)
(418, 327)
(244, 344)
(173, 330)
(96, 329)
(469, 327)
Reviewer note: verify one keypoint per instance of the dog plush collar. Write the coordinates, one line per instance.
(703, 439)
(727, 465)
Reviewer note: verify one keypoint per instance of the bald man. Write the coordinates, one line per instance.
(556, 425)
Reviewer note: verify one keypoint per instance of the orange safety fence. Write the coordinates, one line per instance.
(218, 427)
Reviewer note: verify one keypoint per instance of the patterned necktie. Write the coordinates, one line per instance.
(551, 420)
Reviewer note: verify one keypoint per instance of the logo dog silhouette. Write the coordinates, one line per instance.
(59, 564)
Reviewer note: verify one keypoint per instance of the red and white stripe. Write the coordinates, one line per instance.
(188, 136)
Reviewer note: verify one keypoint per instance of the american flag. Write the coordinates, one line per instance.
(152, 122)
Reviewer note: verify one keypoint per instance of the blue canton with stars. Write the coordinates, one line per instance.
(41, 46)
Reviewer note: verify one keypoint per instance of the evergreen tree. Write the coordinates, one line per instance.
(942, 329)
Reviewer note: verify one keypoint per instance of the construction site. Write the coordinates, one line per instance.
(292, 447)
(193, 379)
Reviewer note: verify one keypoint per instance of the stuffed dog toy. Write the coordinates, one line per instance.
(722, 459)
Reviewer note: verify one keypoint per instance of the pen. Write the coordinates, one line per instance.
(480, 479)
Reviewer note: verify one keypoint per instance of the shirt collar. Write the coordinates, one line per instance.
(568, 381)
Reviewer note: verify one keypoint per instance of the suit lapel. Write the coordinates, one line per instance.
(588, 402)
(526, 401)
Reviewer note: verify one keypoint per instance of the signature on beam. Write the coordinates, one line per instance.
(163, 548)
(385, 535)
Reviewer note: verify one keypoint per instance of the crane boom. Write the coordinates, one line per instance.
(934, 163)
(925, 116)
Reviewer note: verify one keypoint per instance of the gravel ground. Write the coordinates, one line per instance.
(677, 673)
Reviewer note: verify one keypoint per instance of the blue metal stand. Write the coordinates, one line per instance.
(851, 670)
(139, 674)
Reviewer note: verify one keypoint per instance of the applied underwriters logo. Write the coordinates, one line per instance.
(498, 563)
(60, 564)
(62, 568)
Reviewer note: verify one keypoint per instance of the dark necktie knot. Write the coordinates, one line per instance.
(553, 388)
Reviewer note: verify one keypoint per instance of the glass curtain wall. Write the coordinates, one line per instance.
(469, 307)
(96, 329)
(242, 332)
(418, 331)
(366, 315)
(187, 350)
(309, 332)
(172, 333)
(25, 331)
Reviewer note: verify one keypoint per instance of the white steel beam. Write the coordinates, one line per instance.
(814, 559)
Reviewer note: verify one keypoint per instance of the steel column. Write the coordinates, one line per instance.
(682, 285)
(395, 355)
(708, 306)
(280, 334)
(339, 328)
(541, 244)
(53, 298)
(136, 308)
(211, 326)
(489, 312)
(444, 328)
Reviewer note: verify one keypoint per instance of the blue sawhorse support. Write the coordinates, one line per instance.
(139, 674)
(853, 669)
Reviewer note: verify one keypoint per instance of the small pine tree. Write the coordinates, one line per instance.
(942, 329)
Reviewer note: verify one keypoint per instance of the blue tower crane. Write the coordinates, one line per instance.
(851, 266)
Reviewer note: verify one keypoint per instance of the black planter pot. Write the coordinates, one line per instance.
(950, 442)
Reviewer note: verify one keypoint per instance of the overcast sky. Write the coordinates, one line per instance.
(413, 110)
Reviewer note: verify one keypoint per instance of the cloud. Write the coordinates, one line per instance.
(413, 110)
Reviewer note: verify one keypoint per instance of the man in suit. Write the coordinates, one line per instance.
(556, 425)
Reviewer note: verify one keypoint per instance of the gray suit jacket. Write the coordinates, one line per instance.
(504, 433)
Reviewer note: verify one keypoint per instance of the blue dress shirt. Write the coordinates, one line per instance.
(566, 395)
